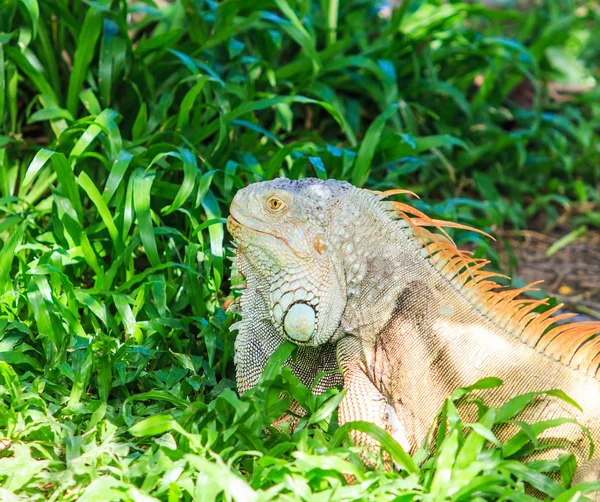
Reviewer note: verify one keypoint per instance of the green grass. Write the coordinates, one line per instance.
(125, 130)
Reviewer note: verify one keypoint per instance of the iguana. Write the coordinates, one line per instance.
(361, 285)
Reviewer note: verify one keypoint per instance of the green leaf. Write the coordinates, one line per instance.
(574, 492)
(33, 10)
(86, 47)
(2, 83)
(7, 255)
(567, 239)
(142, 185)
(141, 123)
(518, 403)
(327, 408)
(190, 172)
(117, 173)
(183, 118)
(369, 144)
(34, 75)
(153, 426)
(93, 193)
(218, 474)
(276, 361)
(396, 451)
(299, 34)
(394, 149)
(484, 383)
(49, 114)
(445, 464)
(11, 383)
(484, 432)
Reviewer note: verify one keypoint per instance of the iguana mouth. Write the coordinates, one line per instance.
(233, 224)
(235, 227)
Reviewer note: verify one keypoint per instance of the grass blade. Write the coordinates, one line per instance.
(86, 46)
(369, 145)
(7, 255)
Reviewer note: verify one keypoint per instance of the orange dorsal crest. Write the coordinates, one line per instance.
(574, 344)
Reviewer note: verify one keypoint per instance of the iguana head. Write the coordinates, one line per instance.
(282, 230)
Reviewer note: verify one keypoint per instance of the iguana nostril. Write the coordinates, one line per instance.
(299, 322)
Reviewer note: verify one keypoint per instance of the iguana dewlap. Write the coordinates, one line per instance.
(360, 284)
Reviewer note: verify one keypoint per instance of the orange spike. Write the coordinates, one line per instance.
(593, 367)
(512, 319)
(565, 345)
(406, 209)
(534, 330)
(395, 191)
(557, 335)
(526, 319)
(586, 352)
(442, 223)
(576, 344)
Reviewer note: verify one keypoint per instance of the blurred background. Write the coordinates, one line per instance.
(127, 127)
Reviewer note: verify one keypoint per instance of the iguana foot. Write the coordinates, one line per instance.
(397, 428)
(364, 402)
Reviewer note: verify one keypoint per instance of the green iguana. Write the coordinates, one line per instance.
(359, 284)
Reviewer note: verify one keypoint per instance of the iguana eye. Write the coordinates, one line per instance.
(275, 204)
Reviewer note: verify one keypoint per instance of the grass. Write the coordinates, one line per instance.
(125, 130)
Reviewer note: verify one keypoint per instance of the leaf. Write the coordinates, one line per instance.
(15, 357)
(2, 83)
(579, 489)
(211, 207)
(218, 474)
(566, 239)
(104, 122)
(328, 462)
(370, 142)
(396, 451)
(117, 173)
(299, 34)
(7, 255)
(327, 408)
(261, 104)
(153, 426)
(142, 184)
(484, 432)
(392, 149)
(568, 467)
(84, 53)
(535, 479)
(183, 118)
(12, 384)
(92, 192)
(519, 440)
(36, 77)
(484, 383)
(445, 464)
(49, 114)
(276, 361)
(33, 10)
(141, 123)
(190, 172)
(518, 403)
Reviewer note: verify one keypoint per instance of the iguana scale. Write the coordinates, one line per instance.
(360, 284)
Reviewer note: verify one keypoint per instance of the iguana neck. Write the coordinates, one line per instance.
(380, 256)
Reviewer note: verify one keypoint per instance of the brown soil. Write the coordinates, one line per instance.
(571, 275)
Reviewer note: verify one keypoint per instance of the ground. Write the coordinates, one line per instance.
(571, 274)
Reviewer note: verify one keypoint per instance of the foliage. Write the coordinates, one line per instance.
(125, 130)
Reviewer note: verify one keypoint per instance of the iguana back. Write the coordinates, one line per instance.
(410, 318)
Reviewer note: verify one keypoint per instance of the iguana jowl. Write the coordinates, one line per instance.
(360, 284)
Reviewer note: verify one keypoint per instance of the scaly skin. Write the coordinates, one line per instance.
(339, 272)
